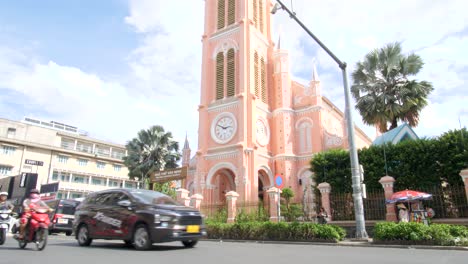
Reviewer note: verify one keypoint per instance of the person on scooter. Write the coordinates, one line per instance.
(34, 201)
(4, 202)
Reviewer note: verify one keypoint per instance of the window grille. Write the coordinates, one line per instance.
(221, 13)
(231, 12)
(231, 76)
(260, 14)
(263, 80)
(219, 76)
(255, 10)
(256, 73)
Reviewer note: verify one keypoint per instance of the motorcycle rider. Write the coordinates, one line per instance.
(4, 202)
(34, 201)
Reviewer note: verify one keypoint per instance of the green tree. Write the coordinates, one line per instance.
(153, 149)
(384, 91)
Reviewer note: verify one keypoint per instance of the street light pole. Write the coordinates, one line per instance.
(357, 192)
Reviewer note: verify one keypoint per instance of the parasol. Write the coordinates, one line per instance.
(408, 196)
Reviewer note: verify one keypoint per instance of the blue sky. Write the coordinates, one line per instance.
(113, 67)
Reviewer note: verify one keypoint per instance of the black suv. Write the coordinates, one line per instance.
(138, 217)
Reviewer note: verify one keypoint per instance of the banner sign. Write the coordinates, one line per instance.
(169, 175)
(34, 162)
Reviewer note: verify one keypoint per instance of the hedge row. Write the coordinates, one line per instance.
(276, 231)
(417, 233)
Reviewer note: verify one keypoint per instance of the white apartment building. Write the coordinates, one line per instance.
(61, 153)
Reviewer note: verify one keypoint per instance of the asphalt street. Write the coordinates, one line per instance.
(62, 249)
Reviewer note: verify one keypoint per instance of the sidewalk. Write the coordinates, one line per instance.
(346, 243)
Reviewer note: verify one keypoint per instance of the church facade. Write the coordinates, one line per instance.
(255, 122)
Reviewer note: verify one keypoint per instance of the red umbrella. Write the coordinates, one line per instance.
(408, 196)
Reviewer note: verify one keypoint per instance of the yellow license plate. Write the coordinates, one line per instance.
(193, 229)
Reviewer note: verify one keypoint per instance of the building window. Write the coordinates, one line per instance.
(5, 170)
(97, 181)
(100, 165)
(8, 150)
(60, 195)
(260, 15)
(255, 11)
(221, 13)
(68, 143)
(256, 74)
(117, 154)
(62, 159)
(117, 167)
(11, 132)
(263, 80)
(76, 195)
(114, 184)
(78, 179)
(305, 137)
(129, 185)
(231, 73)
(82, 162)
(230, 13)
(219, 76)
(60, 176)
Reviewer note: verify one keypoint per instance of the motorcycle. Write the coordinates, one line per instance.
(5, 216)
(37, 229)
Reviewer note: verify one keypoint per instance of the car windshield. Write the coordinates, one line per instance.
(153, 197)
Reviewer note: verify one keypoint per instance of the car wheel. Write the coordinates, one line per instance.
(141, 238)
(189, 243)
(83, 236)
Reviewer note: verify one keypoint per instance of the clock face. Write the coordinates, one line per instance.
(263, 133)
(223, 128)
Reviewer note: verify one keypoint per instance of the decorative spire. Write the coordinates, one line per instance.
(186, 144)
(315, 77)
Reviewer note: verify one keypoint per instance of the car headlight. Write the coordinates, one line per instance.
(4, 215)
(163, 218)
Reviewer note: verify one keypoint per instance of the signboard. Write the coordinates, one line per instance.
(279, 182)
(34, 162)
(169, 175)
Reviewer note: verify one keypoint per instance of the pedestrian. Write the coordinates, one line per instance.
(322, 216)
(402, 213)
(429, 213)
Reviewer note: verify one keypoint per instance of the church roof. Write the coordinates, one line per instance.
(396, 135)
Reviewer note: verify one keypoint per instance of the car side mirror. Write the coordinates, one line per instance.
(124, 203)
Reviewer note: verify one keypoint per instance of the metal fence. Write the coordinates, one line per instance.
(342, 206)
(447, 202)
(213, 209)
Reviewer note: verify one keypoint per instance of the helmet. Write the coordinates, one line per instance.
(3, 193)
(34, 191)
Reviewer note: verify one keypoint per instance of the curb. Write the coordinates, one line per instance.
(346, 243)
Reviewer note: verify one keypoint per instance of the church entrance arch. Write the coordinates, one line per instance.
(265, 182)
(220, 180)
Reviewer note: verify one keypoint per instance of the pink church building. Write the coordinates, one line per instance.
(255, 122)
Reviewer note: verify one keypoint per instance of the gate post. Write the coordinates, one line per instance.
(274, 194)
(325, 189)
(231, 198)
(464, 175)
(195, 201)
(182, 196)
(387, 184)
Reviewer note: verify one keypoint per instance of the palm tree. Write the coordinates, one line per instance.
(152, 150)
(383, 91)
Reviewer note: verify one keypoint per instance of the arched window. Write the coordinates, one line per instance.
(305, 137)
(221, 13)
(256, 74)
(263, 80)
(231, 73)
(260, 15)
(231, 12)
(219, 76)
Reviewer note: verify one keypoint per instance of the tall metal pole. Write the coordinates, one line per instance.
(357, 192)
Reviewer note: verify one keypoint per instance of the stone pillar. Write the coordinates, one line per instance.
(387, 184)
(464, 175)
(274, 195)
(195, 201)
(231, 198)
(325, 189)
(182, 196)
